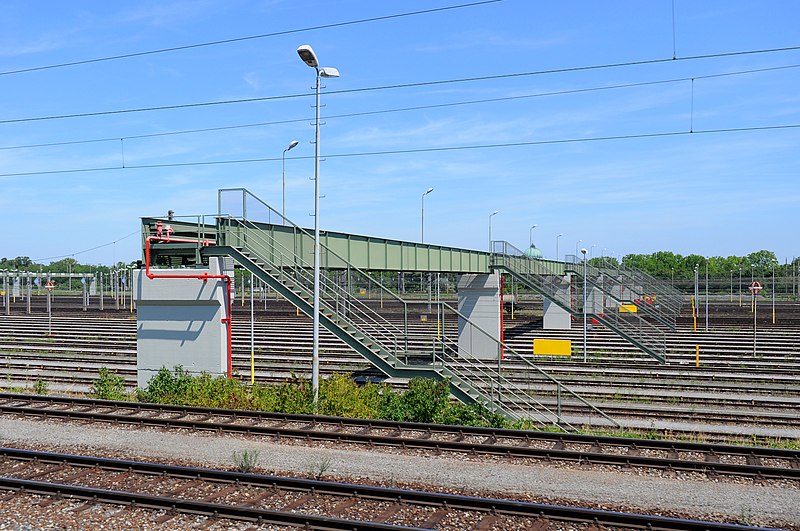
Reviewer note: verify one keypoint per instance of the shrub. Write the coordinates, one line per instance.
(471, 415)
(292, 396)
(40, 387)
(108, 386)
(166, 388)
(425, 399)
(339, 395)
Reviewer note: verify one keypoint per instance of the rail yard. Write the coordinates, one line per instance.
(714, 414)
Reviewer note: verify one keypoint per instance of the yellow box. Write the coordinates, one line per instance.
(552, 347)
(628, 308)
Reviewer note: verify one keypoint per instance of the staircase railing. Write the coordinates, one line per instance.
(669, 298)
(541, 275)
(472, 375)
(492, 375)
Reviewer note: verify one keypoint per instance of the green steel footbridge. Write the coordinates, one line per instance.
(280, 254)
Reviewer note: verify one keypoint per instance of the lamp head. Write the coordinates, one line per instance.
(292, 145)
(328, 71)
(429, 190)
(495, 212)
(308, 56)
(583, 251)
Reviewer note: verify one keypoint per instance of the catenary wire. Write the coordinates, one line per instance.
(366, 89)
(576, 140)
(247, 38)
(86, 250)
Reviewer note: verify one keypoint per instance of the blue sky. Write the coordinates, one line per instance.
(723, 193)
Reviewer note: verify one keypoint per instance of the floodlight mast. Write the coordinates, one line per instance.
(308, 56)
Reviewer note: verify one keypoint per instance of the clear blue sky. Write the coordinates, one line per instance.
(725, 193)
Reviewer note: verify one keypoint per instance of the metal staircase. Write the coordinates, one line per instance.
(620, 288)
(545, 277)
(274, 253)
(649, 291)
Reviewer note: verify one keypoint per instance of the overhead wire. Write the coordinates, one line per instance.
(392, 87)
(575, 140)
(407, 109)
(246, 38)
(86, 250)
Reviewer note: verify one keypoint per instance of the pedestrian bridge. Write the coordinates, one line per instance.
(281, 254)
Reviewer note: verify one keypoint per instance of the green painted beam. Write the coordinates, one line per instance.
(341, 250)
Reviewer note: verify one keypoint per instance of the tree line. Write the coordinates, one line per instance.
(667, 265)
(662, 264)
(65, 265)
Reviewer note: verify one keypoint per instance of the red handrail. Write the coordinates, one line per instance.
(204, 277)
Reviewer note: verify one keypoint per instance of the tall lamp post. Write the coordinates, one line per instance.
(584, 304)
(740, 286)
(490, 228)
(531, 233)
(422, 240)
(576, 247)
(292, 145)
(422, 232)
(308, 56)
(557, 237)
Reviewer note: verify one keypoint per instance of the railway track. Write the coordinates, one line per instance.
(730, 386)
(711, 459)
(312, 504)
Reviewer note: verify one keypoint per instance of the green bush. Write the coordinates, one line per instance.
(471, 415)
(425, 400)
(167, 388)
(340, 396)
(292, 396)
(108, 386)
(40, 387)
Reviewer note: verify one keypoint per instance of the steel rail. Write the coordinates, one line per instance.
(208, 509)
(450, 501)
(519, 445)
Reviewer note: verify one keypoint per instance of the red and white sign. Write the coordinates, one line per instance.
(755, 287)
(49, 285)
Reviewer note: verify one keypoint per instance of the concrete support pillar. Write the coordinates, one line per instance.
(479, 303)
(555, 316)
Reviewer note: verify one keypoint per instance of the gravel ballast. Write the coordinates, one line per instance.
(756, 502)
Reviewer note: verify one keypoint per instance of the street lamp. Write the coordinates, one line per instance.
(590, 249)
(422, 233)
(584, 304)
(740, 286)
(291, 145)
(576, 247)
(557, 237)
(531, 233)
(308, 56)
(422, 240)
(490, 229)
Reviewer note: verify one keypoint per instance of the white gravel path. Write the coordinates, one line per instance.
(606, 487)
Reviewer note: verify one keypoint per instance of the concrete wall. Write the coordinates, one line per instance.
(179, 322)
(479, 301)
(556, 317)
